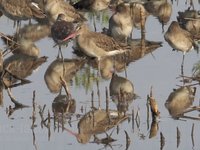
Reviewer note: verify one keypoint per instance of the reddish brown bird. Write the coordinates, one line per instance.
(60, 30)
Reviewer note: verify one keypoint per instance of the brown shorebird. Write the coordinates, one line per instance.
(180, 100)
(121, 23)
(138, 14)
(188, 14)
(190, 20)
(96, 45)
(94, 5)
(164, 13)
(18, 10)
(161, 9)
(153, 6)
(60, 30)
(55, 7)
(179, 39)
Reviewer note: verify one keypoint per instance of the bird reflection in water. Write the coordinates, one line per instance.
(107, 141)
(154, 129)
(121, 92)
(66, 69)
(19, 66)
(63, 106)
(24, 41)
(120, 62)
(180, 100)
(95, 122)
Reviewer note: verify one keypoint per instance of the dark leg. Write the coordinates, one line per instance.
(94, 23)
(60, 53)
(99, 66)
(182, 65)
(18, 27)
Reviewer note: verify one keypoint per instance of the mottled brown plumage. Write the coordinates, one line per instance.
(97, 45)
(20, 9)
(61, 28)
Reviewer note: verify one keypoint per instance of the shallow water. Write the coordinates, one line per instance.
(159, 70)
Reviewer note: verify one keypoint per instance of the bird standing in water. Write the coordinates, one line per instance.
(60, 30)
(96, 45)
(121, 23)
(18, 10)
(180, 40)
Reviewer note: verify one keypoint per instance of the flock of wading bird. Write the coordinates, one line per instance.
(109, 51)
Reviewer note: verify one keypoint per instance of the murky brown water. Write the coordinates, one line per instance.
(159, 70)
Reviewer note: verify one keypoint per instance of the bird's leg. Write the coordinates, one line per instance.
(182, 65)
(125, 71)
(62, 58)
(114, 64)
(99, 66)
(58, 56)
(29, 21)
(14, 24)
(63, 67)
(17, 29)
(66, 88)
(94, 23)
(60, 53)
(163, 30)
